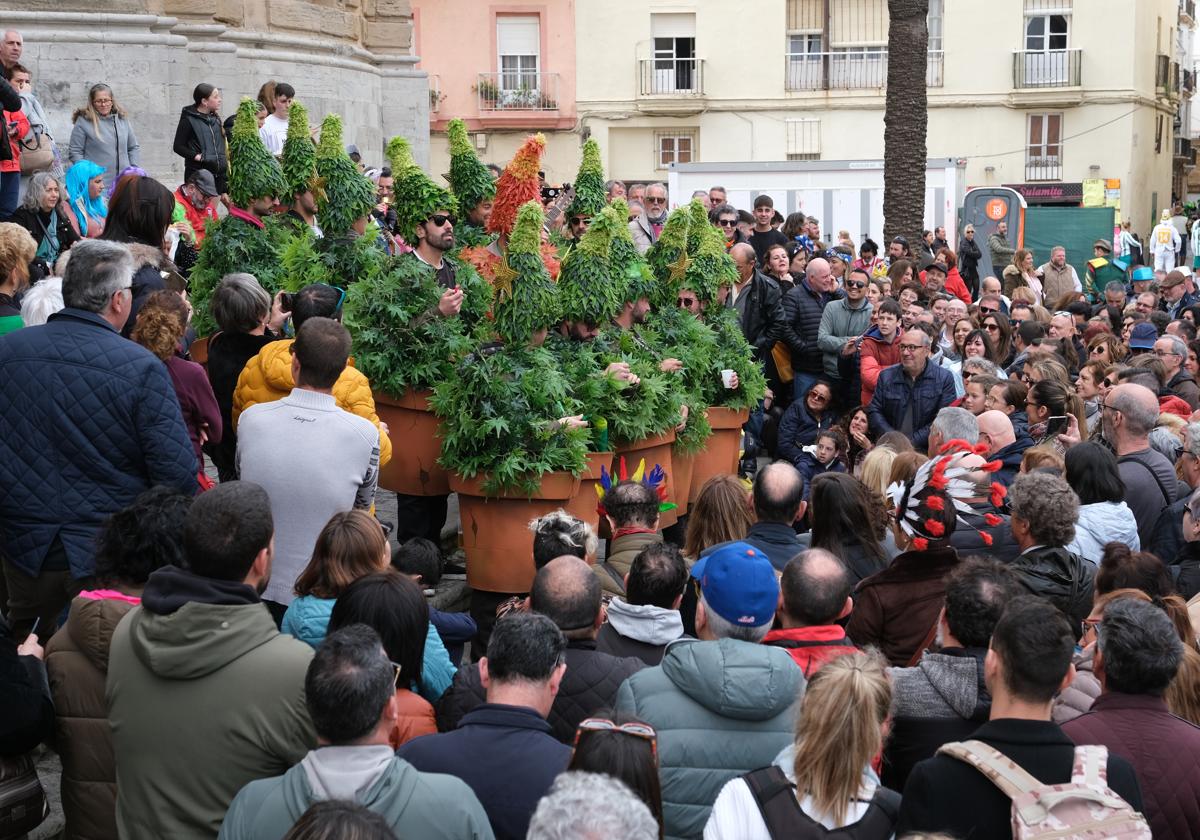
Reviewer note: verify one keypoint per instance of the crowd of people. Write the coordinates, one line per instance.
(959, 570)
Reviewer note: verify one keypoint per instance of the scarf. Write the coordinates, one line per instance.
(79, 177)
(48, 247)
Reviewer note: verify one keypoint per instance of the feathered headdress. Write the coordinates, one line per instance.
(920, 504)
(656, 480)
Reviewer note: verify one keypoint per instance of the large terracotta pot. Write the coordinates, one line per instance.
(681, 487)
(495, 529)
(720, 453)
(583, 505)
(413, 430)
(656, 450)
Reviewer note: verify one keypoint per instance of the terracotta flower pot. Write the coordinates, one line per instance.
(682, 486)
(583, 505)
(495, 529)
(720, 453)
(656, 450)
(413, 430)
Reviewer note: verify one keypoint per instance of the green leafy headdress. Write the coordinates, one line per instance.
(416, 196)
(253, 172)
(710, 267)
(629, 269)
(349, 195)
(299, 158)
(589, 183)
(591, 293)
(669, 258)
(526, 299)
(470, 180)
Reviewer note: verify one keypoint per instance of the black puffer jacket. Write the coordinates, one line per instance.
(802, 308)
(1061, 577)
(590, 684)
(200, 134)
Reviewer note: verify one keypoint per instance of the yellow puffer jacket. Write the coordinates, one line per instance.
(268, 377)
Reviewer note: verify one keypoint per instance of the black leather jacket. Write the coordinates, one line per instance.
(1063, 578)
(763, 315)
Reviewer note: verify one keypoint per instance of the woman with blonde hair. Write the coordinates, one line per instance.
(160, 326)
(103, 135)
(841, 728)
(17, 250)
(1022, 274)
(877, 468)
(721, 513)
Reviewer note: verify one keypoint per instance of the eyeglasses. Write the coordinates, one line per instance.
(911, 348)
(1030, 404)
(726, 222)
(1161, 353)
(578, 220)
(650, 199)
(992, 327)
(638, 730)
(1107, 407)
(686, 302)
(395, 675)
(1099, 350)
(817, 397)
(1108, 383)
(988, 311)
(102, 102)
(856, 284)
(440, 219)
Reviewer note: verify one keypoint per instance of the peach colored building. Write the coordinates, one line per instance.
(507, 69)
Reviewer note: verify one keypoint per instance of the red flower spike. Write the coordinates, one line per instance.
(986, 537)
(935, 528)
(992, 519)
(935, 503)
(920, 543)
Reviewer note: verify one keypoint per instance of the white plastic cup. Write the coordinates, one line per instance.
(727, 378)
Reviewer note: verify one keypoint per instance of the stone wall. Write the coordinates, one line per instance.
(351, 57)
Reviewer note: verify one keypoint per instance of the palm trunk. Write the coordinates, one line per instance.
(906, 120)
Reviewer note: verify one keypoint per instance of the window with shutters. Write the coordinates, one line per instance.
(674, 147)
(518, 50)
(1043, 157)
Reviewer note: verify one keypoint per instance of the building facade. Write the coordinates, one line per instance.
(351, 57)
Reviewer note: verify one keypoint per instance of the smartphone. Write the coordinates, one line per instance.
(1056, 425)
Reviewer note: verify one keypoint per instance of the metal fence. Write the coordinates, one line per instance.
(517, 90)
(671, 77)
(860, 69)
(1047, 68)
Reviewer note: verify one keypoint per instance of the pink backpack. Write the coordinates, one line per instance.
(1083, 808)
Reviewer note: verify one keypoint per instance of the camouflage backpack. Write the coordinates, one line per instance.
(1083, 808)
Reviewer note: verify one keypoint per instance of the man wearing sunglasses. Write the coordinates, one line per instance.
(843, 323)
(647, 227)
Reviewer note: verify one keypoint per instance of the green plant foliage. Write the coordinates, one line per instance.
(698, 217)
(299, 159)
(668, 258)
(348, 195)
(680, 335)
(628, 267)
(253, 172)
(400, 341)
(470, 180)
(734, 353)
(710, 267)
(590, 197)
(590, 293)
(526, 299)
(498, 414)
(416, 199)
(649, 408)
(399, 155)
(232, 245)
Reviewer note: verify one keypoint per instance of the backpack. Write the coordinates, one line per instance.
(1084, 807)
(776, 798)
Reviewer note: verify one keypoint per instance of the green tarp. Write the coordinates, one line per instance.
(1075, 228)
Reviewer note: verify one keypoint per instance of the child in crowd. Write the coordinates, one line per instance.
(420, 559)
(826, 455)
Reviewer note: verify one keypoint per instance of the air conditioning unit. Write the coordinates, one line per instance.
(481, 141)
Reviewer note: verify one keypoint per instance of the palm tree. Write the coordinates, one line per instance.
(905, 120)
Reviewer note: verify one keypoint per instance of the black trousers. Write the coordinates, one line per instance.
(420, 516)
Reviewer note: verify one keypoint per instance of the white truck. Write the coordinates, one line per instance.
(841, 194)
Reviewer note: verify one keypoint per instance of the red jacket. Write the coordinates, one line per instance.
(1163, 749)
(195, 218)
(874, 354)
(811, 647)
(14, 164)
(954, 285)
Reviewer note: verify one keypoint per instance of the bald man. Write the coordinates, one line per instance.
(568, 593)
(815, 588)
(996, 430)
(803, 306)
(756, 297)
(1128, 413)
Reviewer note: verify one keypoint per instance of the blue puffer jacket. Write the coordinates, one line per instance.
(88, 420)
(307, 618)
(932, 391)
(798, 428)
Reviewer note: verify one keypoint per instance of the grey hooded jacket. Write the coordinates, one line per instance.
(641, 630)
(721, 709)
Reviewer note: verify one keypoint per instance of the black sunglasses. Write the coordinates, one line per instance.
(988, 311)
(439, 219)
(726, 222)
(856, 284)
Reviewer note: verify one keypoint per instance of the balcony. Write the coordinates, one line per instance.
(1043, 168)
(858, 69)
(1035, 69)
(1183, 149)
(517, 91)
(671, 77)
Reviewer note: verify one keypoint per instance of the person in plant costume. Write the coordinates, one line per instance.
(517, 185)
(344, 207)
(250, 239)
(472, 185)
(590, 197)
(508, 413)
(299, 164)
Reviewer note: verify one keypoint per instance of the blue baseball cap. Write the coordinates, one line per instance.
(1142, 336)
(738, 582)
